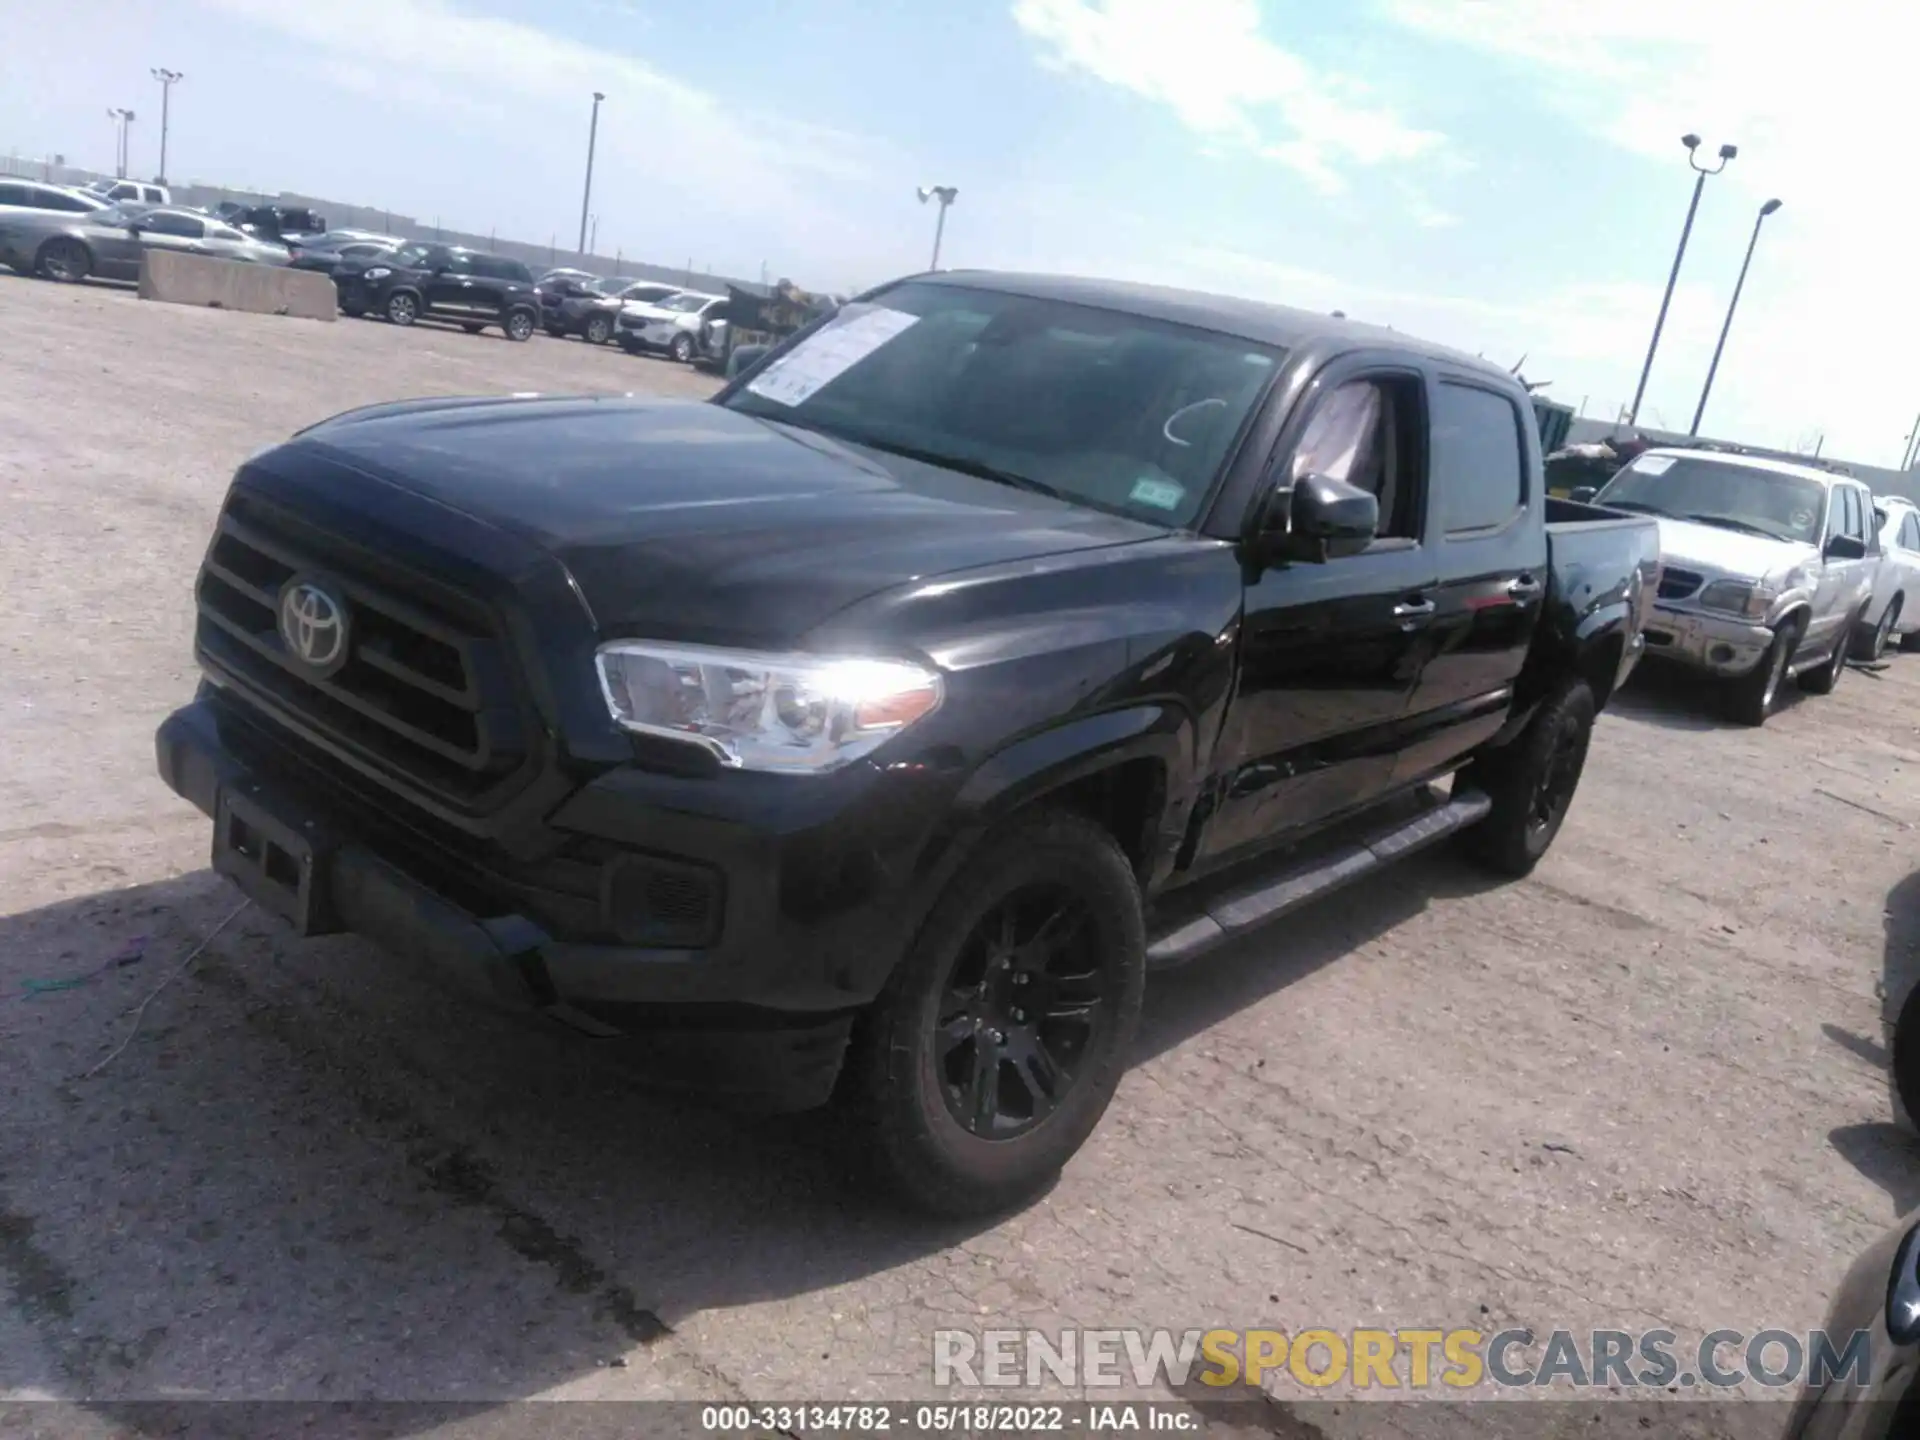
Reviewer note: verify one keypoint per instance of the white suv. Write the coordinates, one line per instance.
(114, 191)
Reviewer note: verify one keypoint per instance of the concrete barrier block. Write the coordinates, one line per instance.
(236, 285)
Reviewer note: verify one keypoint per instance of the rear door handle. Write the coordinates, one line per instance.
(1525, 588)
(1414, 607)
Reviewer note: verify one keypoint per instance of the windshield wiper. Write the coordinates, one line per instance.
(978, 468)
(1746, 527)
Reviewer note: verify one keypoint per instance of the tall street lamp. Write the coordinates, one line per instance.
(168, 79)
(586, 197)
(946, 195)
(1707, 389)
(1727, 152)
(121, 120)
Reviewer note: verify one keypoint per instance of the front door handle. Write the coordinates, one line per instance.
(1525, 588)
(1414, 607)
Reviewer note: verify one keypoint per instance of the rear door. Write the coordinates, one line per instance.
(1490, 545)
(1329, 653)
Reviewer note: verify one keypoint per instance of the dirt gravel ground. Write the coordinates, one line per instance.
(1641, 1089)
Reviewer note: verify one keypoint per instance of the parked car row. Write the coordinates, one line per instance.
(1773, 570)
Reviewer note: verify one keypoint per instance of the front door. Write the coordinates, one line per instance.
(450, 289)
(1491, 547)
(1844, 583)
(1329, 653)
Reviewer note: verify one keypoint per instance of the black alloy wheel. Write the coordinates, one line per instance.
(1029, 995)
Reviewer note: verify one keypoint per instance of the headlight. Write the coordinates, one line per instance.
(797, 714)
(1738, 597)
(378, 272)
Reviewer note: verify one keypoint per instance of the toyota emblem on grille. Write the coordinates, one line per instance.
(313, 623)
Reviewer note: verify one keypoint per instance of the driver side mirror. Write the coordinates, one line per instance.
(1845, 547)
(1325, 519)
(1583, 494)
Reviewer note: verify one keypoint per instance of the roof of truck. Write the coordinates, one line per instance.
(1255, 320)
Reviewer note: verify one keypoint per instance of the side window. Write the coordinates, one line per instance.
(1910, 532)
(457, 262)
(185, 226)
(73, 204)
(1851, 523)
(15, 195)
(1365, 434)
(1479, 475)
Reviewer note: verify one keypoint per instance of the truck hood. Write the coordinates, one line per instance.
(1717, 551)
(682, 520)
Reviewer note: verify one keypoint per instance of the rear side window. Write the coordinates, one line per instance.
(1477, 474)
(15, 195)
(73, 204)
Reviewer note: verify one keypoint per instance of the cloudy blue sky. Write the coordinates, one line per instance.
(1505, 175)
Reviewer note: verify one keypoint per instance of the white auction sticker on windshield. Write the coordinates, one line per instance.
(828, 354)
(1653, 464)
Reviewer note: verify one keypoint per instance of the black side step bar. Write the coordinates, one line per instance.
(1233, 912)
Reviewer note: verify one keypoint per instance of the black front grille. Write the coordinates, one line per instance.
(425, 689)
(1678, 584)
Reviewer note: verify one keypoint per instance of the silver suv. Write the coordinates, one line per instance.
(1768, 566)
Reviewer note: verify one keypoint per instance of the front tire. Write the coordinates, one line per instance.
(519, 325)
(1750, 699)
(998, 1043)
(1531, 783)
(403, 309)
(67, 261)
(682, 348)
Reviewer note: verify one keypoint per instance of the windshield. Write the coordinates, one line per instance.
(685, 304)
(1112, 410)
(1713, 492)
(412, 256)
(116, 214)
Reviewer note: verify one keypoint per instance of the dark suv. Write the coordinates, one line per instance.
(442, 282)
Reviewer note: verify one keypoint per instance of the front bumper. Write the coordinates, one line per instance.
(766, 1008)
(1722, 645)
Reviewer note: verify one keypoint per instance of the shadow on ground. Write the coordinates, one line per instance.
(312, 1175)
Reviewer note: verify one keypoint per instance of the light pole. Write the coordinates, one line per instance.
(1707, 389)
(586, 197)
(121, 120)
(946, 195)
(1727, 152)
(168, 79)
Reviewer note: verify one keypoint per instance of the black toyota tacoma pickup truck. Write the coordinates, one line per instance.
(870, 730)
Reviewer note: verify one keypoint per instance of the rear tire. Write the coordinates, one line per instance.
(1822, 680)
(1872, 646)
(1531, 783)
(1750, 699)
(67, 261)
(977, 1094)
(403, 309)
(599, 330)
